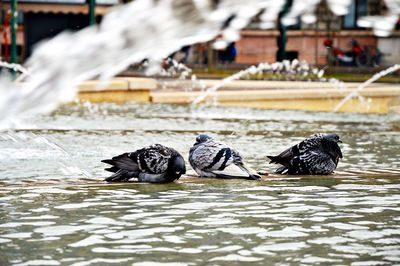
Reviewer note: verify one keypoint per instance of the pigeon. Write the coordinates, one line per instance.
(210, 158)
(153, 164)
(317, 155)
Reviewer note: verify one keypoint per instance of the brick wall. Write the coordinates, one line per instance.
(261, 46)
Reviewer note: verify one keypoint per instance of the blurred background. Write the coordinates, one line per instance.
(338, 43)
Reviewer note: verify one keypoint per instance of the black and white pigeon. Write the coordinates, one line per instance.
(210, 158)
(317, 155)
(153, 164)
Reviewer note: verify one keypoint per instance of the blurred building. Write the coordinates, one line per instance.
(306, 42)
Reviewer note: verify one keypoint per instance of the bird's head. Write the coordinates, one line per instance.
(177, 166)
(202, 138)
(330, 143)
(332, 138)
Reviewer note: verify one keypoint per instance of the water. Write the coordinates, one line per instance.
(52, 216)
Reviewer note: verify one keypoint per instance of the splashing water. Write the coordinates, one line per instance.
(67, 165)
(15, 67)
(238, 75)
(58, 65)
(374, 78)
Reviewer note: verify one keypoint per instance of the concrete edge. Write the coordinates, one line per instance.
(283, 94)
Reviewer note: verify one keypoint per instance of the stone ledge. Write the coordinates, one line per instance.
(281, 94)
(118, 84)
(96, 85)
(273, 85)
(139, 83)
(116, 96)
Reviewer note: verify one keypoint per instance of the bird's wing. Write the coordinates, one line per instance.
(121, 176)
(220, 160)
(304, 146)
(122, 161)
(210, 155)
(313, 162)
(153, 159)
(123, 168)
(238, 161)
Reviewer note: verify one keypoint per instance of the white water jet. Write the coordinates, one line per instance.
(289, 69)
(238, 75)
(374, 78)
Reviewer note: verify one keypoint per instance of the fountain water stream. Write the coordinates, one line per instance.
(293, 69)
(374, 78)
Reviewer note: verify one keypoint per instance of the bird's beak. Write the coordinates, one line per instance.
(340, 141)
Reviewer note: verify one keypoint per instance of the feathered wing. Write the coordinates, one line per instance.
(309, 163)
(122, 161)
(153, 159)
(210, 156)
(121, 176)
(318, 163)
(214, 159)
(304, 146)
(123, 168)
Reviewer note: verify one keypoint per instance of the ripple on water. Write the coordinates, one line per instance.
(72, 206)
(235, 257)
(38, 262)
(289, 246)
(60, 230)
(152, 263)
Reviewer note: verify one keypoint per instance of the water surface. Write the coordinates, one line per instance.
(56, 211)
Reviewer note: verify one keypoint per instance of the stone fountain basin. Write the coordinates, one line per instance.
(280, 95)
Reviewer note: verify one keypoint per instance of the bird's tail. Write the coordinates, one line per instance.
(252, 173)
(277, 159)
(234, 171)
(123, 168)
(121, 176)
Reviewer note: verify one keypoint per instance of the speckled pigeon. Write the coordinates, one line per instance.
(210, 158)
(317, 155)
(153, 164)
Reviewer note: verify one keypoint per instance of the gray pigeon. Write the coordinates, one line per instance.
(210, 158)
(153, 164)
(317, 155)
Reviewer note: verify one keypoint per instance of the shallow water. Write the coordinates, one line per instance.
(54, 212)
